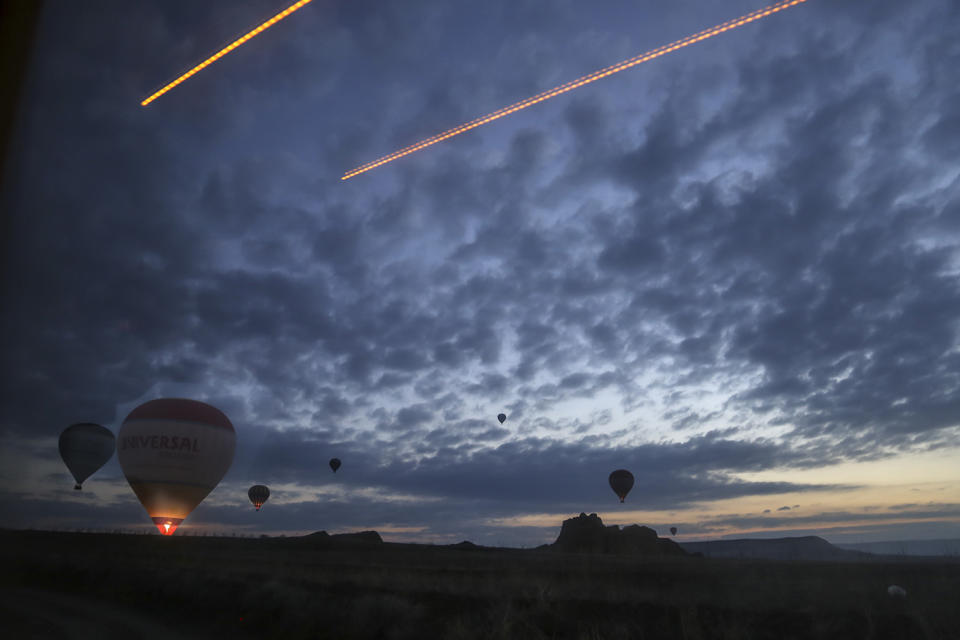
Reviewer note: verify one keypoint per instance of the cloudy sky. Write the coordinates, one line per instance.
(732, 270)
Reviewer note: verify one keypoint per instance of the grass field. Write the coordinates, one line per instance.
(296, 588)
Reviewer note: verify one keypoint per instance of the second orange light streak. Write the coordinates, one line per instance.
(227, 49)
(579, 82)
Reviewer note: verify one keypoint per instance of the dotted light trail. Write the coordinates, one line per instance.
(227, 49)
(579, 82)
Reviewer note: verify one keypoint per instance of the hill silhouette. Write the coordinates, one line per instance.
(810, 548)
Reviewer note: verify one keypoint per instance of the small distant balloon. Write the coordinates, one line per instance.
(258, 494)
(621, 481)
(173, 453)
(673, 531)
(896, 591)
(85, 447)
(334, 464)
(501, 417)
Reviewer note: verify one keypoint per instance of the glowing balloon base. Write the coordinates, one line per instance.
(167, 525)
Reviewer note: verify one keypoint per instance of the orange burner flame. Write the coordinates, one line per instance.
(579, 82)
(167, 526)
(230, 47)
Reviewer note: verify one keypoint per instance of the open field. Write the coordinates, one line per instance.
(103, 585)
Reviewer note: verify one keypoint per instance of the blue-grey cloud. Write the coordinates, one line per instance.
(737, 259)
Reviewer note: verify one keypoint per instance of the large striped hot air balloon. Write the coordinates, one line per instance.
(173, 453)
(85, 447)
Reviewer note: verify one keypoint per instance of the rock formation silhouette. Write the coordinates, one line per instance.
(465, 545)
(587, 534)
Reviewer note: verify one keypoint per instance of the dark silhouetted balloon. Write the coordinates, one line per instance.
(673, 531)
(85, 447)
(173, 453)
(621, 481)
(258, 495)
(334, 464)
(501, 417)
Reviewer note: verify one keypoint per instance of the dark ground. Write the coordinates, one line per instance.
(74, 585)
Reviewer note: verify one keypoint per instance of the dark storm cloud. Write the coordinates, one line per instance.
(772, 219)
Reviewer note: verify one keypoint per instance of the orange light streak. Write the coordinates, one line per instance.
(227, 49)
(579, 82)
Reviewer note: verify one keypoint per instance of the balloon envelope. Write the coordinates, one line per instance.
(85, 447)
(673, 531)
(621, 481)
(258, 494)
(501, 417)
(174, 452)
(334, 464)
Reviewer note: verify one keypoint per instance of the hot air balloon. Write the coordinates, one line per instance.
(673, 531)
(501, 417)
(334, 464)
(85, 447)
(621, 481)
(174, 452)
(258, 495)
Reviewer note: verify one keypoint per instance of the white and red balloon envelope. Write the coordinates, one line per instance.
(174, 452)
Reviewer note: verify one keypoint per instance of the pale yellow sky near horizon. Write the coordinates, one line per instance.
(922, 479)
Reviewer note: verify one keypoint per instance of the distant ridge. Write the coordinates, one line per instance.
(941, 547)
(809, 548)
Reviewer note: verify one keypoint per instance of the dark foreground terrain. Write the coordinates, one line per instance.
(73, 585)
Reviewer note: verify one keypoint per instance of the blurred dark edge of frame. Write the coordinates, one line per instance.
(18, 31)
(18, 34)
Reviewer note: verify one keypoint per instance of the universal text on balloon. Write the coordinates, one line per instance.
(159, 442)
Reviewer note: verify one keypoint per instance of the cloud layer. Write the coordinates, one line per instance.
(739, 258)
